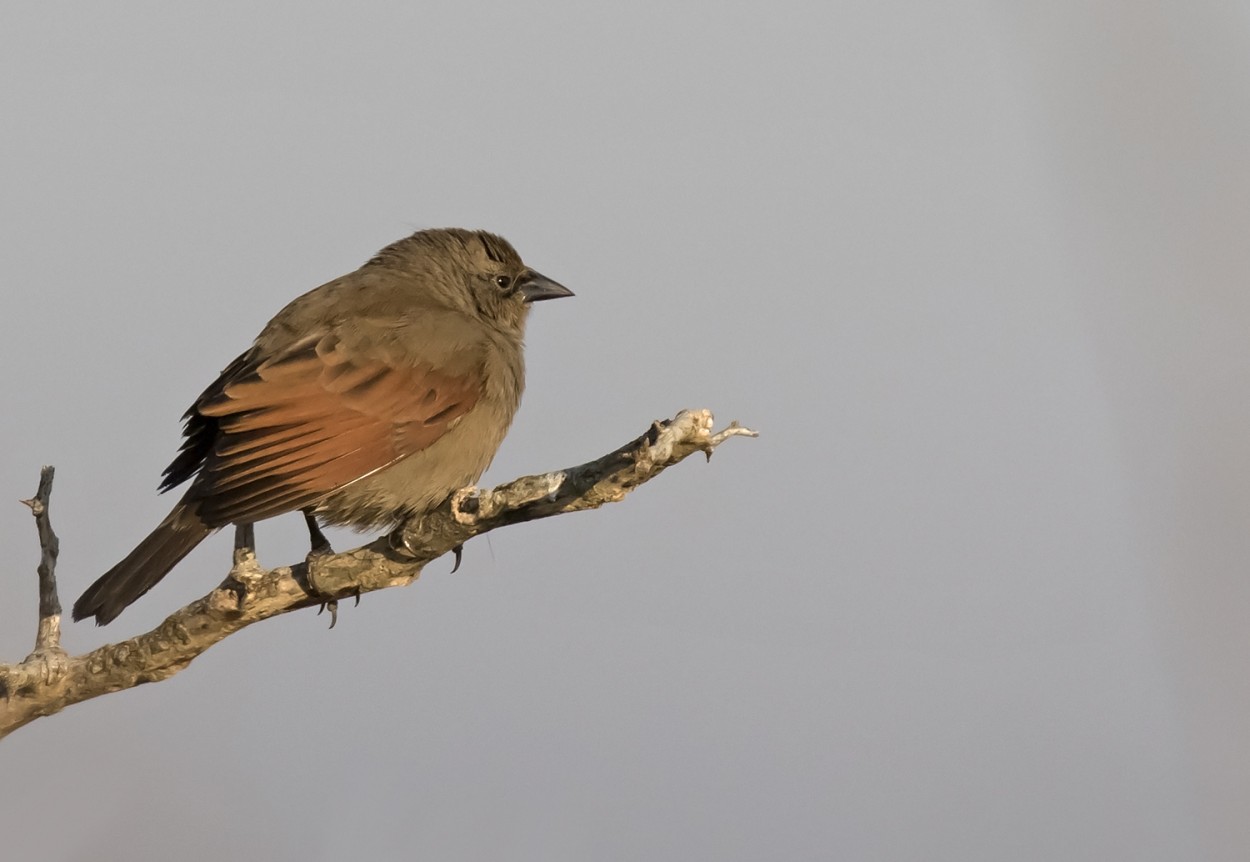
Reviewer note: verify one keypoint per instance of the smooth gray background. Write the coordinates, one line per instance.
(977, 271)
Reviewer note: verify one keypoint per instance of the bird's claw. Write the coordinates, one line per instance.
(333, 605)
(459, 552)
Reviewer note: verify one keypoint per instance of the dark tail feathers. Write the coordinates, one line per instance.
(121, 585)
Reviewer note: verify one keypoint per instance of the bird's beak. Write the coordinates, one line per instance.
(535, 287)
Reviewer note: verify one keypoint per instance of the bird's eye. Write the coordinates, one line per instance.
(503, 281)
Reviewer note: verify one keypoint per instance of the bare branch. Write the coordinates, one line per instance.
(48, 662)
(251, 593)
(49, 635)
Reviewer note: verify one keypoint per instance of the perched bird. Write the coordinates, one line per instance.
(366, 400)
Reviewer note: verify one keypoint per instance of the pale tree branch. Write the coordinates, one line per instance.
(49, 680)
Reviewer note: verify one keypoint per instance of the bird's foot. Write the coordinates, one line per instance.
(48, 664)
(311, 564)
(246, 572)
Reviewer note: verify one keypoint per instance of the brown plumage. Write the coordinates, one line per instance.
(362, 402)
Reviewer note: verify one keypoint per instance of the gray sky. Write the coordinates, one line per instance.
(977, 271)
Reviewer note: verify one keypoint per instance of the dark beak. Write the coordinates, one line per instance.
(535, 287)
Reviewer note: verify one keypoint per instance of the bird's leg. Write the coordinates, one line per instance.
(320, 548)
(320, 544)
(244, 542)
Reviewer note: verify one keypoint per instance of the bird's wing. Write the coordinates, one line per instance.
(297, 427)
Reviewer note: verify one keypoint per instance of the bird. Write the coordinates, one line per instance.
(361, 403)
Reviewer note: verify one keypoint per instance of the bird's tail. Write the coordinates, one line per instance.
(143, 567)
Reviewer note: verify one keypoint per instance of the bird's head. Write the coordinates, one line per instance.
(474, 271)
